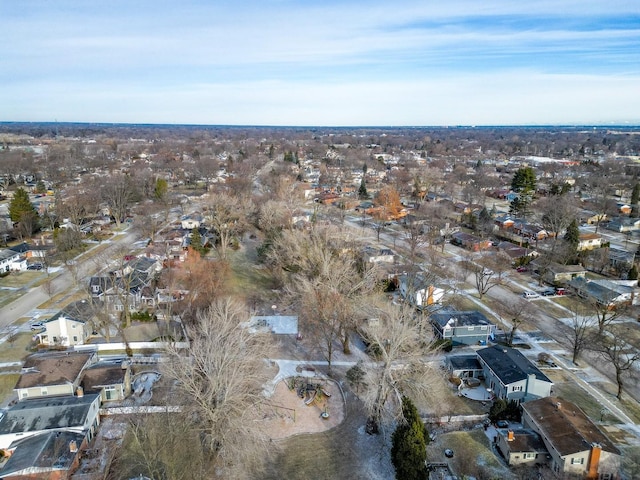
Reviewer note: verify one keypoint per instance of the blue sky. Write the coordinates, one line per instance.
(343, 63)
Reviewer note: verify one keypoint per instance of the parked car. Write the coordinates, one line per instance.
(522, 269)
(548, 292)
(561, 291)
(35, 266)
(37, 326)
(528, 294)
(502, 424)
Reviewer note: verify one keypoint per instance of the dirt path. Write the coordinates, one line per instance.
(345, 451)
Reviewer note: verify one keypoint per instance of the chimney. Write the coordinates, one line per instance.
(510, 436)
(73, 446)
(79, 392)
(594, 461)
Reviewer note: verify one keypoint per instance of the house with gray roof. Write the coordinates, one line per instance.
(606, 292)
(45, 456)
(65, 414)
(521, 447)
(462, 328)
(510, 376)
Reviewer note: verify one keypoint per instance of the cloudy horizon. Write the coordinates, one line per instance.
(348, 63)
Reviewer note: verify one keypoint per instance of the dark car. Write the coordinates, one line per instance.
(548, 292)
(522, 269)
(34, 266)
(502, 424)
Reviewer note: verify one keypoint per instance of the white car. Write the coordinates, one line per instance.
(528, 294)
(37, 326)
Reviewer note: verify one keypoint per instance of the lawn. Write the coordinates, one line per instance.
(16, 350)
(472, 454)
(7, 382)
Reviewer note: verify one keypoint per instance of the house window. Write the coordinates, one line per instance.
(75, 338)
(577, 461)
(118, 308)
(43, 392)
(25, 394)
(483, 328)
(73, 325)
(470, 329)
(109, 392)
(529, 456)
(516, 388)
(606, 476)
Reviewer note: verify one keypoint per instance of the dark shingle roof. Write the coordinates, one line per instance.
(47, 413)
(509, 364)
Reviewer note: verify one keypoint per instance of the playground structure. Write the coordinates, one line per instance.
(309, 391)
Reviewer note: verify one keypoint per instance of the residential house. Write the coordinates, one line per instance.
(378, 255)
(516, 253)
(39, 415)
(510, 376)
(47, 456)
(530, 231)
(418, 291)
(624, 224)
(558, 274)
(593, 218)
(521, 447)
(462, 328)
(464, 366)
(610, 293)
(589, 241)
(504, 222)
(111, 380)
(620, 260)
(10, 260)
(575, 444)
(624, 208)
(190, 222)
(131, 284)
(70, 326)
(470, 242)
(52, 373)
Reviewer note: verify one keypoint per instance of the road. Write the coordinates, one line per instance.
(63, 280)
(547, 324)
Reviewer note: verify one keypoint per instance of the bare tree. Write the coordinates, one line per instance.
(488, 270)
(395, 339)
(227, 215)
(556, 213)
(580, 333)
(515, 314)
(118, 192)
(320, 271)
(161, 445)
(613, 348)
(221, 383)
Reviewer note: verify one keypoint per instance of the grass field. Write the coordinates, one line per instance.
(472, 454)
(17, 350)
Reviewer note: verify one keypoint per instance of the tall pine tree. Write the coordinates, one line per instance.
(409, 445)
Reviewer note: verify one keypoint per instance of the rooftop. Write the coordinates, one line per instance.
(41, 370)
(566, 426)
(509, 364)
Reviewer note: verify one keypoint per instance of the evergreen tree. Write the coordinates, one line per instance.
(635, 194)
(633, 273)
(573, 234)
(41, 187)
(160, 189)
(409, 445)
(635, 198)
(498, 410)
(20, 206)
(362, 191)
(196, 242)
(524, 184)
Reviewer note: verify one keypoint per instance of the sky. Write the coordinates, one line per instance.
(329, 63)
